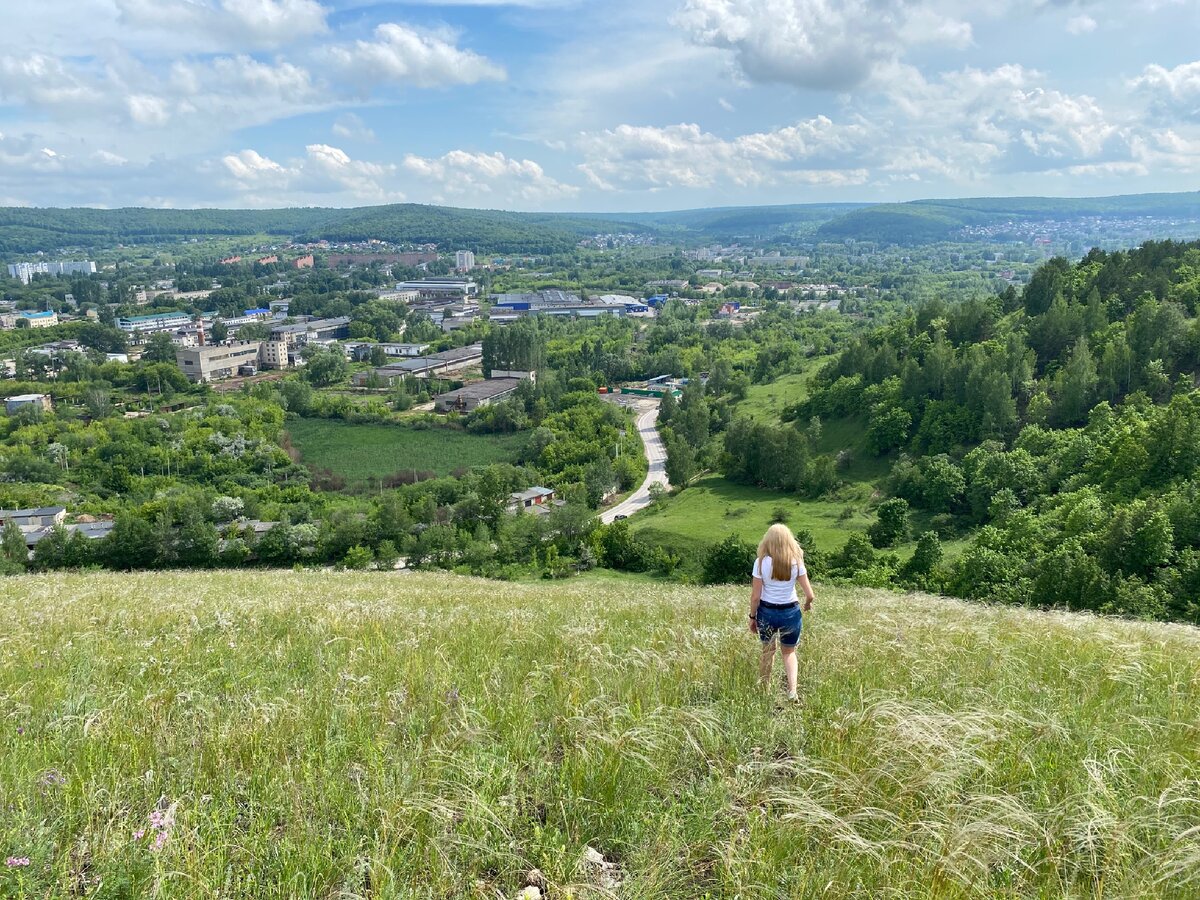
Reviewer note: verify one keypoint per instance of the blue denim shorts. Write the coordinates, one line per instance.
(784, 621)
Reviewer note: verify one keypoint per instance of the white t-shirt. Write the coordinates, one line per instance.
(777, 593)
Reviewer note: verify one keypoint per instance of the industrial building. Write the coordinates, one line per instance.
(32, 318)
(436, 364)
(314, 330)
(449, 289)
(361, 350)
(204, 364)
(40, 402)
(562, 303)
(151, 324)
(473, 396)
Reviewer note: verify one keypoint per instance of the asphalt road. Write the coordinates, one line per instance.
(656, 455)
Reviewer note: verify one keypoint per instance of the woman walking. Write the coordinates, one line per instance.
(774, 604)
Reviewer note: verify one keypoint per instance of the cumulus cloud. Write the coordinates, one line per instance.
(963, 127)
(647, 157)
(493, 176)
(323, 170)
(226, 23)
(46, 81)
(819, 44)
(399, 54)
(1081, 24)
(1171, 92)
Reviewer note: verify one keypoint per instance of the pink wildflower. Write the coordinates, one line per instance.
(160, 840)
(17, 862)
(139, 834)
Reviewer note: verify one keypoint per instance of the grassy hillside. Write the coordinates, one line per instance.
(362, 452)
(288, 734)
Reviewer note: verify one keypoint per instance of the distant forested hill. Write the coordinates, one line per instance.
(927, 221)
(922, 221)
(725, 223)
(488, 229)
(29, 230)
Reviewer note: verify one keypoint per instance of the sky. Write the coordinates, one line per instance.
(593, 105)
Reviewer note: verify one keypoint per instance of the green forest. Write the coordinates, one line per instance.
(27, 230)
(1058, 427)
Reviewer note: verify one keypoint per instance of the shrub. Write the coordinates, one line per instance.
(892, 525)
(358, 557)
(729, 562)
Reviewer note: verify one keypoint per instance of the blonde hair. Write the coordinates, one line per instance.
(780, 544)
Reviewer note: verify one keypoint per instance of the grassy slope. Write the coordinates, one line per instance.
(345, 735)
(359, 452)
(712, 507)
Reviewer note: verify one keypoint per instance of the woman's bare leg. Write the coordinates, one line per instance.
(767, 662)
(789, 666)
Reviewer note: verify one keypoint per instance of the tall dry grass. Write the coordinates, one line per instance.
(282, 734)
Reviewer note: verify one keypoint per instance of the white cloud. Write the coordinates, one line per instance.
(970, 124)
(488, 177)
(1171, 92)
(324, 170)
(399, 54)
(1081, 24)
(39, 80)
(647, 157)
(821, 44)
(351, 127)
(1168, 150)
(224, 24)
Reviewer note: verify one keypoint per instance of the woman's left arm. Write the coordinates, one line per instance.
(808, 591)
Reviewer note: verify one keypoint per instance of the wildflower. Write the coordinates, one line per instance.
(20, 730)
(17, 862)
(52, 778)
(139, 834)
(160, 840)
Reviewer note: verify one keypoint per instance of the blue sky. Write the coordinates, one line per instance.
(614, 105)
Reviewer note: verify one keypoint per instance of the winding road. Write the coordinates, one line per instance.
(656, 455)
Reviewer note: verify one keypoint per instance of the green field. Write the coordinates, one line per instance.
(281, 734)
(712, 508)
(765, 402)
(360, 453)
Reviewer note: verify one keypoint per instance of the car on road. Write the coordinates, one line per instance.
(620, 516)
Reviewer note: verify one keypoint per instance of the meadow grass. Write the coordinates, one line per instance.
(766, 402)
(311, 734)
(362, 452)
(712, 508)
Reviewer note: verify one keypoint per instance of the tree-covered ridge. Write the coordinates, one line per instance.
(27, 230)
(1064, 420)
(927, 221)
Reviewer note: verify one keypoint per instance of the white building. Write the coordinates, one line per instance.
(25, 271)
(464, 260)
(137, 325)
